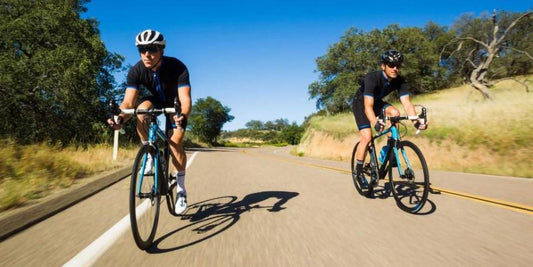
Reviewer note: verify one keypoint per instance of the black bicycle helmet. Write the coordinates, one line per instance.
(392, 57)
(150, 37)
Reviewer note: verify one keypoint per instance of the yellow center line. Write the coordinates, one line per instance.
(495, 202)
(297, 162)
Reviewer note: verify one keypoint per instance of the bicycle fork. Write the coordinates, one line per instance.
(155, 163)
(397, 150)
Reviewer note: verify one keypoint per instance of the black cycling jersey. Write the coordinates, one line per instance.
(376, 85)
(172, 73)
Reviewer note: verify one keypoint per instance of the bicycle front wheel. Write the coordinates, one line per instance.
(409, 177)
(144, 198)
(361, 183)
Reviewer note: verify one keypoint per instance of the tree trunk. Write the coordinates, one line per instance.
(483, 89)
(477, 81)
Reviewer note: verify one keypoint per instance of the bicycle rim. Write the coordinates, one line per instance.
(411, 189)
(144, 201)
(362, 191)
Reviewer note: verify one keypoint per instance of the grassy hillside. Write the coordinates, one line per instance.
(466, 133)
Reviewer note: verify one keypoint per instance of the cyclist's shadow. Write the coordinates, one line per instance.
(384, 192)
(211, 217)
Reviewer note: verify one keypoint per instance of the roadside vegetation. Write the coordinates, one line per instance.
(29, 172)
(278, 133)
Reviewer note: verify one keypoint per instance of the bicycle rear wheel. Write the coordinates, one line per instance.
(411, 188)
(364, 191)
(144, 199)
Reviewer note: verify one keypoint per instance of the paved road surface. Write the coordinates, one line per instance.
(262, 207)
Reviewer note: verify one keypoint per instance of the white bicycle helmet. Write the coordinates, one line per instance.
(392, 57)
(150, 37)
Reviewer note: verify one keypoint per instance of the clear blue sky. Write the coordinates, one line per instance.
(258, 57)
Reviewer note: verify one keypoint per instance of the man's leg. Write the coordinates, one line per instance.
(143, 122)
(366, 135)
(179, 161)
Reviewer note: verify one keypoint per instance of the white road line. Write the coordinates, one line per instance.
(89, 255)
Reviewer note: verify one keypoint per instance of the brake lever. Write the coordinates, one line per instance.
(423, 119)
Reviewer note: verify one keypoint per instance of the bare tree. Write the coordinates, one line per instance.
(483, 53)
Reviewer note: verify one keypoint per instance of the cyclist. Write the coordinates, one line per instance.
(368, 103)
(165, 78)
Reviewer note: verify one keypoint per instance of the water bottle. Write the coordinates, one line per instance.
(383, 153)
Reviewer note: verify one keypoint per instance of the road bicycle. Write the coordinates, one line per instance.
(149, 182)
(402, 160)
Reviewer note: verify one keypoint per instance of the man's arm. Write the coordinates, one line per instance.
(129, 102)
(184, 94)
(410, 110)
(407, 105)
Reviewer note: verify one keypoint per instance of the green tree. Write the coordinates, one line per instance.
(269, 125)
(207, 118)
(56, 72)
(255, 125)
(292, 133)
(281, 124)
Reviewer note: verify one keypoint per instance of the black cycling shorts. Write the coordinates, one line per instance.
(358, 108)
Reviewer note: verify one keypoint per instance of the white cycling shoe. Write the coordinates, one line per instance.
(181, 202)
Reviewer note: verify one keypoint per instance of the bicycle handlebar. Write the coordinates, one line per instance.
(422, 117)
(133, 111)
(115, 110)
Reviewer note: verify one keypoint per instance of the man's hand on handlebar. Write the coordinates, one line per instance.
(179, 119)
(115, 125)
(380, 125)
(421, 125)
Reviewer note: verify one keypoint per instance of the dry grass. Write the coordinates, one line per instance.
(466, 133)
(338, 126)
(33, 171)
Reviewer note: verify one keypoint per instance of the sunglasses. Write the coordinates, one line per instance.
(150, 49)
(394, 66)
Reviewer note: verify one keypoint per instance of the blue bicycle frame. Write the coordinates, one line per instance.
(153, 132)
(395, 134)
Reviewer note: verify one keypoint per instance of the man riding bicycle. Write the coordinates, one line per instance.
(368, 103)
(165, 78)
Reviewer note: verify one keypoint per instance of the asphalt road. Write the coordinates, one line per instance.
(263, 207)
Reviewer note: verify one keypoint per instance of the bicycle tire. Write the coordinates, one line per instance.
(144, 207)
(172, 187)
(411, 190)
(362, 191)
